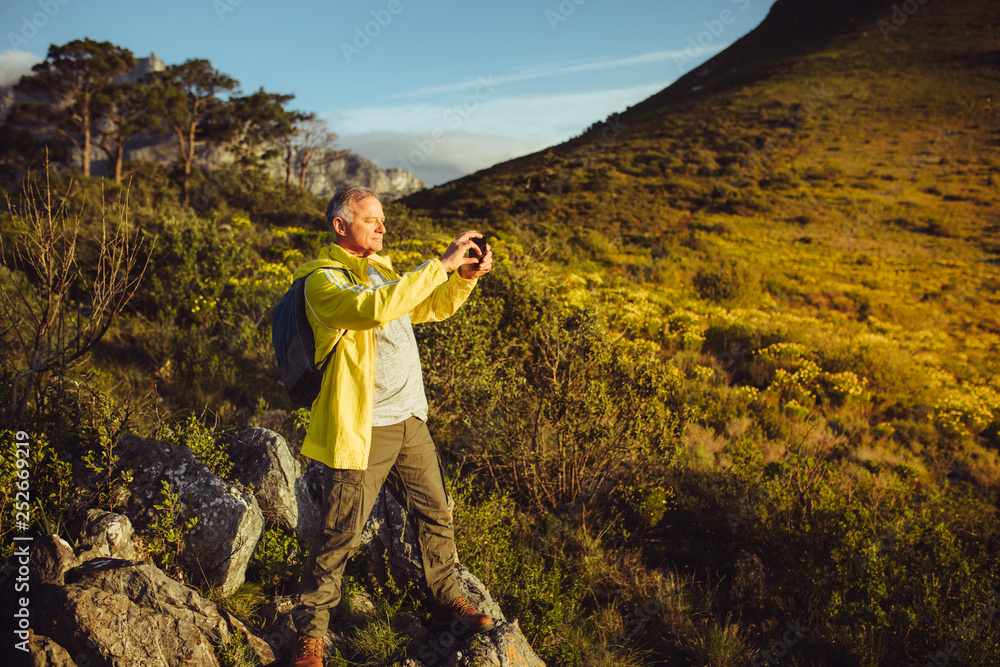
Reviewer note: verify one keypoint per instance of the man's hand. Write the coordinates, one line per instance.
(468, 267)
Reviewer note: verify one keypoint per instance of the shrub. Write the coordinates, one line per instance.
(726, 281)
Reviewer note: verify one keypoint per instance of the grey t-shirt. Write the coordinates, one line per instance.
(399, 382)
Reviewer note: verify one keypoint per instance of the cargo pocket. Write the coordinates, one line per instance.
(344, 489)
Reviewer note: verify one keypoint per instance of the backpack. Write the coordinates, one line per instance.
(295, 345)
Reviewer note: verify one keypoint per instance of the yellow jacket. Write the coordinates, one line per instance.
(340, 429)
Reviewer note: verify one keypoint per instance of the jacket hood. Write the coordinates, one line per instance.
(335, 256)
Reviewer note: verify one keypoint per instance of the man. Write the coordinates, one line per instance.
(369, 421)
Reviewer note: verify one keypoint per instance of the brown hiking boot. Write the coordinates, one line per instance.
(308, 652)
(461, 612)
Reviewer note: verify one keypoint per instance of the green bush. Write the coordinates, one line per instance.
(726, 282)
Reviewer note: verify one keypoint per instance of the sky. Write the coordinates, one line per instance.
(441, 88)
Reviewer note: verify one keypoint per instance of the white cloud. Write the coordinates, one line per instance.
(437, 158)
(534, 119)
(14, 64)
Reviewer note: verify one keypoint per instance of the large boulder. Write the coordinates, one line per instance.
(124, 613)
(265, 461)
(130, 613)
(230, 523)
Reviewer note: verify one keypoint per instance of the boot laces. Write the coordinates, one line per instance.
(310, 646)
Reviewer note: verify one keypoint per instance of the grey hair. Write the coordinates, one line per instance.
(340, 204)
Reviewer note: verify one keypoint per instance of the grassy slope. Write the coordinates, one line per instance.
(853, 178)
(854, 173)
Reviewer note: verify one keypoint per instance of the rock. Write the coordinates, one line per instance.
(350, 169)
(259, 647)
(230, 523)
(105, 535)
(279, 487)
(314, 481)
(130, 613)
(51, 557)
(390, 537)
(504, 646)
(389, 532)
(46, 653)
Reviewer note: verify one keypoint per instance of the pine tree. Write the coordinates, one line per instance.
(186, 96)
(64, 88)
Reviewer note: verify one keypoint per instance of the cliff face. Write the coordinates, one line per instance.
(323, 180)
(355, 170)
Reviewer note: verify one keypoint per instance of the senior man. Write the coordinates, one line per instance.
(369, 422)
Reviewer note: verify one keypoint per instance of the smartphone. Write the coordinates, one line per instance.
(482, 248)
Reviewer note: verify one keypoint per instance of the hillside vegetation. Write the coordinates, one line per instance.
(730, 396)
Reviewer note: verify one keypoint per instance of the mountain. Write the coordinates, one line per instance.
(860, 93)
(332, 172)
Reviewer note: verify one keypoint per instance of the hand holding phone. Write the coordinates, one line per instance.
(481, 244)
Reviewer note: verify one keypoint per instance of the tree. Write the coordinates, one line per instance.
(58, 300)
(260, 122)
(313, 145)
(124, 114)
(64, 87)
(186, 96)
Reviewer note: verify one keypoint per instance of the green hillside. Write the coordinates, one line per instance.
(730, 396)
(806, 229)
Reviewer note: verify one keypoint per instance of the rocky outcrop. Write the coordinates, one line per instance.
(124, 613)
(230, 522)
(351, 169)
(276, 477)
(92, 607)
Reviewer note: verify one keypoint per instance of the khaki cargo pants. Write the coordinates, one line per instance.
(405, 454)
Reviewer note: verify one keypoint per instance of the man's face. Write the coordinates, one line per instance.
(363, 237)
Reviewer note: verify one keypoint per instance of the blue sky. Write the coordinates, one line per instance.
(440, 87)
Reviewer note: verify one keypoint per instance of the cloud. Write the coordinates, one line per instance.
(545, 119)
(437, 158)
(14, 64)
(559, 69)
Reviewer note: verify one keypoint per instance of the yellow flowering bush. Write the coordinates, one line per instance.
(201, 305)
(846, 386)
(965, 407)
(683, 329)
